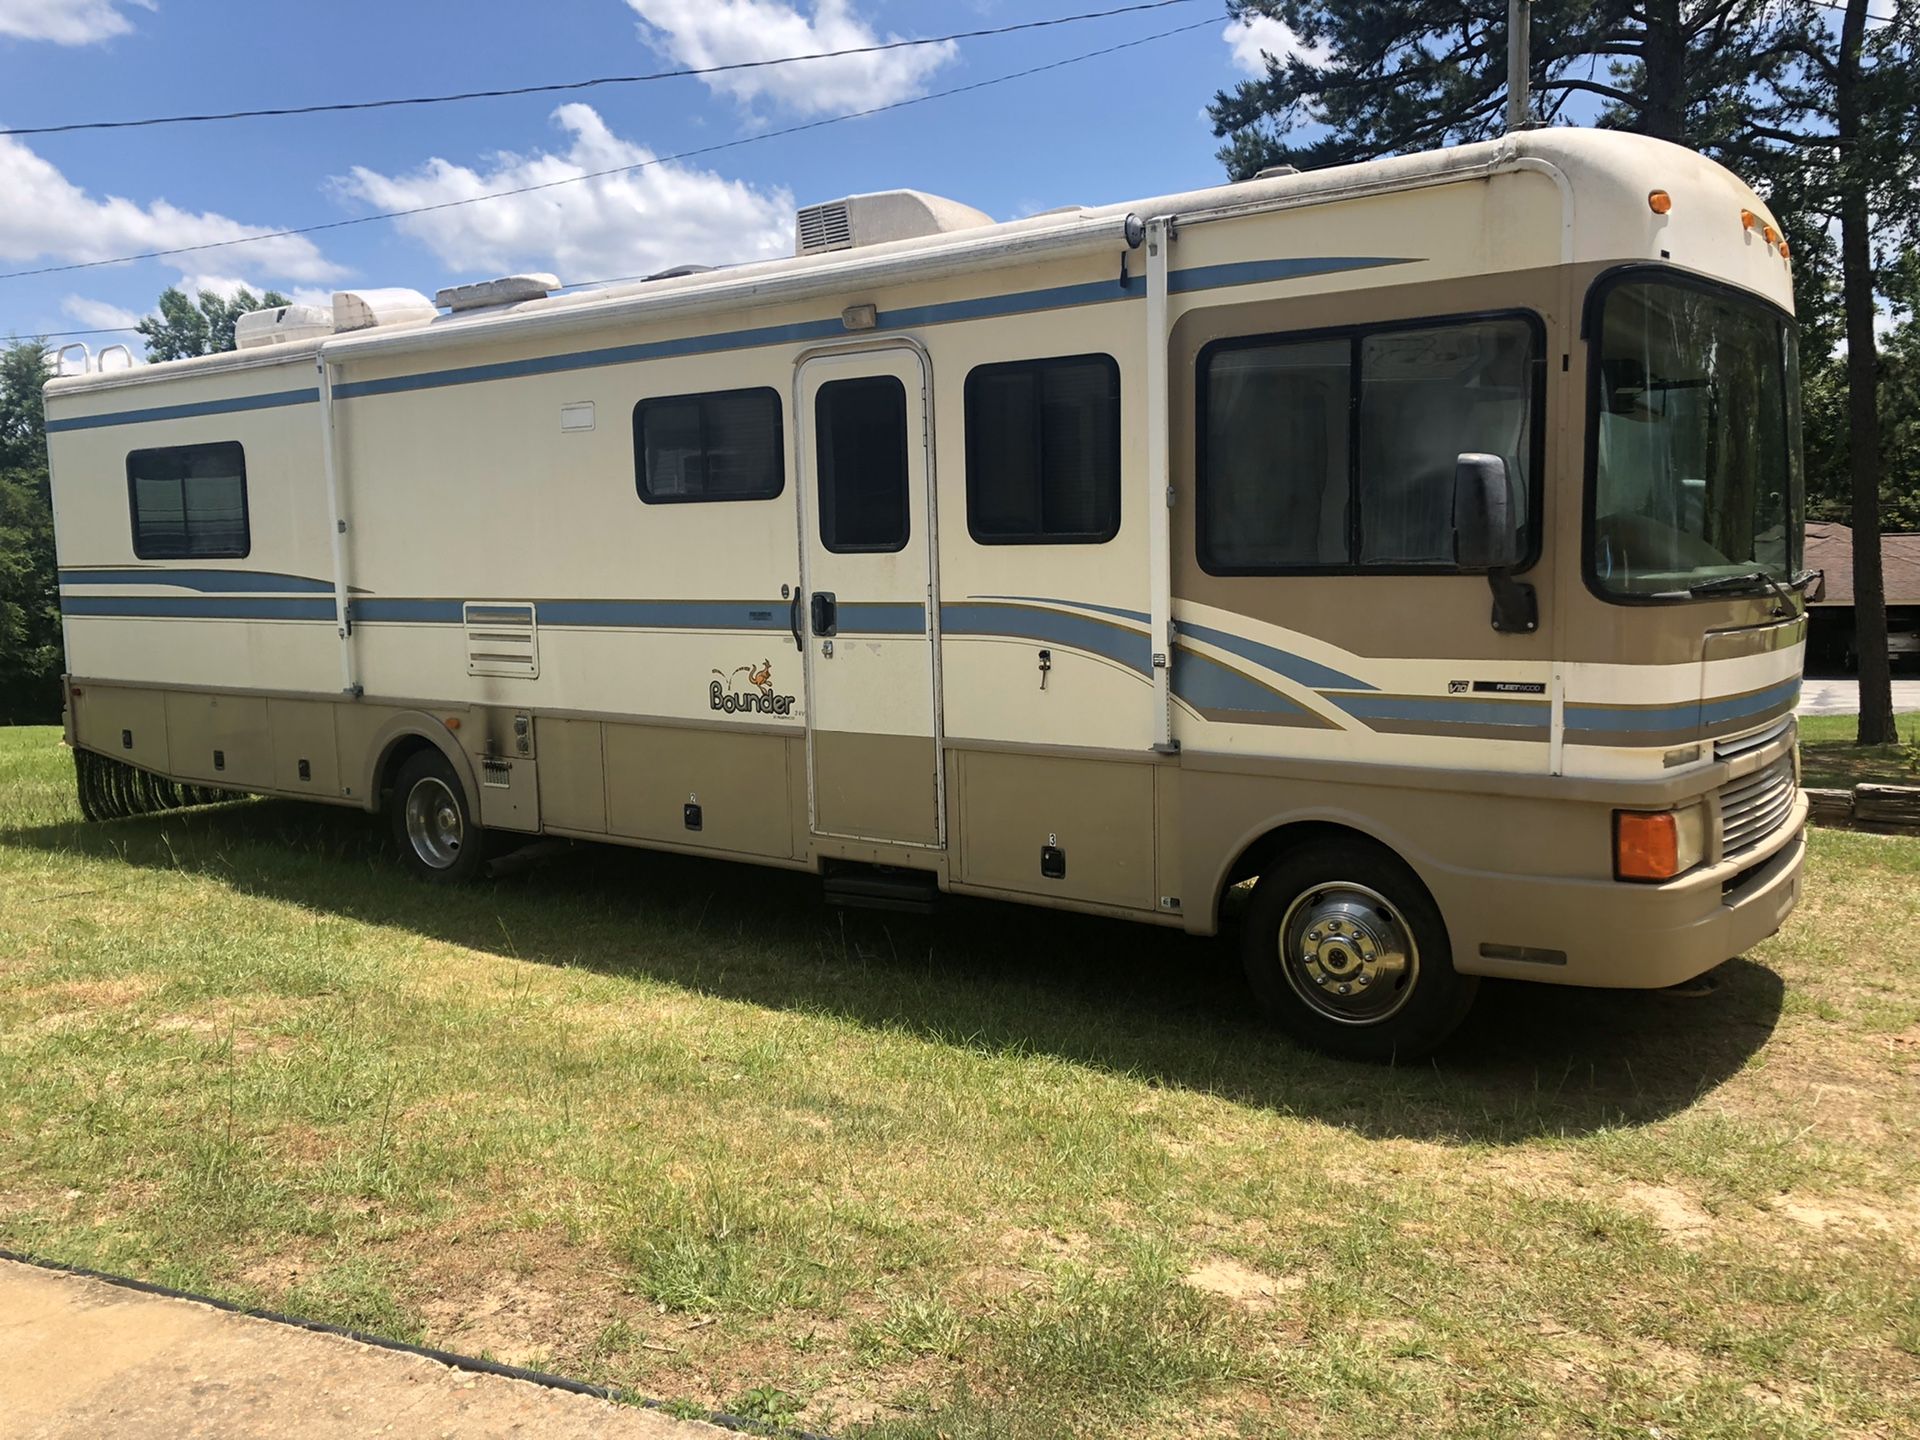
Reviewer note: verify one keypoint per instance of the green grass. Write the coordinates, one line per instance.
(1830, 760)
(675, 1126)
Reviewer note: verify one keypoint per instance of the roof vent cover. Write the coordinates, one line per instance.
(507, 290)
(876, 219)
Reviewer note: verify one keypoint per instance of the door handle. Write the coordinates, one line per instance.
(826, 613)
(793, 620)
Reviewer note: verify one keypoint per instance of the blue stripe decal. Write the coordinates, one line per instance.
(186, 412)
(1139, 617)
(197, 607)
(419, 612)
(875, 618)
(1095, 292)
(804, 331)
(1204, 683)
(1686, 713)
(1533, 713)
(1019, 622)
(1295, 667)
(227, 581)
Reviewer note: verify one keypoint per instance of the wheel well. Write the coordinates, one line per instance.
(1259, 854)
(403, 749)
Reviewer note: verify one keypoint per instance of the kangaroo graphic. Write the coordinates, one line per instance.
(759, 678)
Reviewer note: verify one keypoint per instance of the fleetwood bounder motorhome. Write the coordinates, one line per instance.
(1419, 539)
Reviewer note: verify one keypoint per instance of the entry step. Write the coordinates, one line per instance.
(877, 887)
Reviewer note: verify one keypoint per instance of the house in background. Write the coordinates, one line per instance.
(1830, 643)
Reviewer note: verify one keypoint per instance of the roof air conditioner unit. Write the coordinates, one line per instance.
(875, 219)
(363, 309)
(282, 325)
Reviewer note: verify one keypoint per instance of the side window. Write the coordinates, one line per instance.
(725, 445)
(861, 430)
(1275, 491)
(189, 502)
(1428, 396)
(1337, 453)
(1043, 451)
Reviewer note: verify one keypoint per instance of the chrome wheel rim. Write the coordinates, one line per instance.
(1348, 953)
(434, 827)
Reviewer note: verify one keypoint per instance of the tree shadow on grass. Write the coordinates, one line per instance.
(1156, 1004)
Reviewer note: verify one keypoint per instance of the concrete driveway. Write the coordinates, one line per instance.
(1841, 696)
(80, 1358)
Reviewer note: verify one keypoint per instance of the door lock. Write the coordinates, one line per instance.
(825, 613)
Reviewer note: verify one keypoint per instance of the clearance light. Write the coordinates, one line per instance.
(1658, 844)
(453, 722)
(1786, 250)
(1771, 235)
(1749, 220)
(1659, 201)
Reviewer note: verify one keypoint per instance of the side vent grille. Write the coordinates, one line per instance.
(502, 640)
(824, 227)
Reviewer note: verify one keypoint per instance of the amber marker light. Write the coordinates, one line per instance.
(1659, 201)
(453, 722)
(1749, 220)
(1646, 845)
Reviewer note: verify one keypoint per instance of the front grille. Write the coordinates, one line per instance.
(1755, 805)
(1753, 740)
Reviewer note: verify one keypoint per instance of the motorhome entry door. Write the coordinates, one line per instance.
(868, 608)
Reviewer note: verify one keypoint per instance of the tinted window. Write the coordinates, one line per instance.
(189, 502)
(861, 430)
(1276, 486)
(1428, 396)
(1043, 451)
(1338, 452)
(725, 445)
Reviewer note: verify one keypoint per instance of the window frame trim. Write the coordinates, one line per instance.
(1593, 337)
(906, 456)
(640, 453)
(1042, 537)
(246, 503)
(1538, 400)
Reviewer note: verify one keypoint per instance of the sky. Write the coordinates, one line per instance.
(1119, 127)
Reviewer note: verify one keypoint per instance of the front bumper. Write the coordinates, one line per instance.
(1624, 936)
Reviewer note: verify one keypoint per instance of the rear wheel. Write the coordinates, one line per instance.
(432, 823)
(1346, 951)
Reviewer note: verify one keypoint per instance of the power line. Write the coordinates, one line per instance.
(64, 334)
(569, 85)
(617, 169)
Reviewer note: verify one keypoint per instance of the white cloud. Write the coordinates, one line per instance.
(1258, 36)
(48, 217)
(629, 224)
(700, 33)
(98, 314)
(67, 22)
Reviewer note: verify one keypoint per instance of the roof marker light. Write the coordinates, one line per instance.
(1659, 201)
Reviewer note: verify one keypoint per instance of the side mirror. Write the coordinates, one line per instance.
(1486, 524)
(1485, 514)
(1817, 590)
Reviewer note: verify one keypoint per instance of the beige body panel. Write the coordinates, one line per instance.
(592, 665)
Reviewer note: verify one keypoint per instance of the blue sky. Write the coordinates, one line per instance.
(1127, 125)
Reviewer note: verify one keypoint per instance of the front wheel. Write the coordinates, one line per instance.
(432, 823)
(1346, 951)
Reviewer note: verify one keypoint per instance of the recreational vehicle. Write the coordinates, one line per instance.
(1417, 540)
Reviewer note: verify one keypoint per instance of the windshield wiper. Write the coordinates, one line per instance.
(1752, 578)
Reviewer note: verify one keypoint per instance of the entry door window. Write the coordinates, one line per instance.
(861, 430)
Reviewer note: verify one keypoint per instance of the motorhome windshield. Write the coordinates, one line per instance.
(1698, 469)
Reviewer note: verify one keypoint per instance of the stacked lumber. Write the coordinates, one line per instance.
(1830, 807)
(1892, 808)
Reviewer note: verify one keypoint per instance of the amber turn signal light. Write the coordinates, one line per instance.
(1646, 845)
(1659, 201)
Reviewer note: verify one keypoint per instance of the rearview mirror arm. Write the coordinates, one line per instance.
(1516, 609)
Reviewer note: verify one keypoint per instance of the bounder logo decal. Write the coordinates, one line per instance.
(747, 690)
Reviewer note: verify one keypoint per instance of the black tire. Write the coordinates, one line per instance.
(1344, 994)
(433, 823)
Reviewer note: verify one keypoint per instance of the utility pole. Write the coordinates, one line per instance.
(1519, 64)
